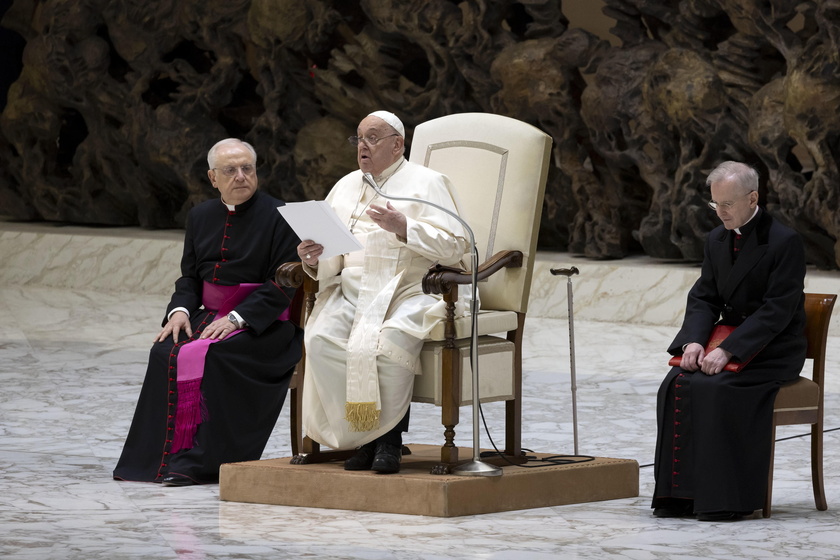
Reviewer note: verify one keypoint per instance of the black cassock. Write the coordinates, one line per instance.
(246, 376)
(713, 443)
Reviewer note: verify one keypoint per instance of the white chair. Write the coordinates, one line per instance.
(499, 168)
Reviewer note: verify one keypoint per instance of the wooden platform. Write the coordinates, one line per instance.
(414, 491)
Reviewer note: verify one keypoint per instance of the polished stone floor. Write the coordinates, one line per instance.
(72, 360)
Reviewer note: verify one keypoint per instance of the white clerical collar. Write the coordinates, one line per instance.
(230, 207)
(390, 171)
(738, 229)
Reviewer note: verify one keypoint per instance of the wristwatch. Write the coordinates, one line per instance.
(232, 318)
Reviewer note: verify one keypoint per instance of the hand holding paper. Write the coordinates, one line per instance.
(315, 220)
(309, 252)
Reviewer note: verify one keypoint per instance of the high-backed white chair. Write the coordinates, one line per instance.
(498, 166)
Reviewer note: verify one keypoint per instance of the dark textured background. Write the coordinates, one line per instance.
(108, 108)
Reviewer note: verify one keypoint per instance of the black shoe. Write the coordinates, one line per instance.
(680, 510)
(177, 480)
(722, 515)
(363, 459)
(387, 458)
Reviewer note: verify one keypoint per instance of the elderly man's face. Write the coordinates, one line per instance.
(242, 184)
(735, 205)
(376, 158)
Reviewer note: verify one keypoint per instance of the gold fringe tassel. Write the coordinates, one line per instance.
(363, 416)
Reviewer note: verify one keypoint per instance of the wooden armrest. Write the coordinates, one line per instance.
(442, 279)
(292, 275)
(289, 275)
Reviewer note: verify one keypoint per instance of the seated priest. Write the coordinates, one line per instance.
(220, 368)
(364, 336)
(713, 445)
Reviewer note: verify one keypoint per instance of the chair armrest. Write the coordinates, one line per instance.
(290, 275)
(444, 280)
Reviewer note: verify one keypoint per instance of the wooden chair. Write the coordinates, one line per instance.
(499, 167)
(801, 401)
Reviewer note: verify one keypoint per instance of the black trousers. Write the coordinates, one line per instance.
(394, 435)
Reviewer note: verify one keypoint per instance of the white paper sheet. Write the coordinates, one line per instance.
(316, 220)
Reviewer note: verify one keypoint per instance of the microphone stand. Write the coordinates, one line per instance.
(476, 467)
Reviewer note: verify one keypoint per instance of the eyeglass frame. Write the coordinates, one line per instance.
(235, 168)
(726, 205)
(354, 140)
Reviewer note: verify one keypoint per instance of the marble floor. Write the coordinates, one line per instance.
(72, 361)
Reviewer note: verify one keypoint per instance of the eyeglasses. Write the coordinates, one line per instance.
(231, 170)
(725, 205)
(369, 140)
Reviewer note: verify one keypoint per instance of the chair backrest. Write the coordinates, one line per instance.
(498, 166)
(818, 309)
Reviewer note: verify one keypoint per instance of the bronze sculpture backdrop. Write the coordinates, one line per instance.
(108, 119)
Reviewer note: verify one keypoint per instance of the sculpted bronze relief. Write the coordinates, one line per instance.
(107, 116)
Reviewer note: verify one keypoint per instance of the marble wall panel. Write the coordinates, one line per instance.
(638, 290)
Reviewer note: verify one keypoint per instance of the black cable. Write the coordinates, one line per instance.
(551, 460)
(803, 435)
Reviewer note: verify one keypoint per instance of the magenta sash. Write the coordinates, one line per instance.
(191, 409)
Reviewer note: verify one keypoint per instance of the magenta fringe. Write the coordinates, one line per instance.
(190, 412)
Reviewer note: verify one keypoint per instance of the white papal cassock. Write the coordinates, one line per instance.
(365, 333)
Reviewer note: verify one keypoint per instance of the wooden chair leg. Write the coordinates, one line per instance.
(513, 408)
(817, 466)
(295, 404)
(769, 497)
(450, 417)
(450, 410)
(513, 427)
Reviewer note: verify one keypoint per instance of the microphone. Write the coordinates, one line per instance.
(368, 178)
(476, 467)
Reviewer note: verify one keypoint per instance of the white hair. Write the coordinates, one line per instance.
(742, 174)
(211, 155)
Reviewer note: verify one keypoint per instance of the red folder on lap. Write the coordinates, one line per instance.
(719, 333)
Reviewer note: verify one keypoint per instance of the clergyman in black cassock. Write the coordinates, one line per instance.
(226, 300)
(714, 426)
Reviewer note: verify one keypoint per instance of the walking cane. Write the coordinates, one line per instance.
(568, 273)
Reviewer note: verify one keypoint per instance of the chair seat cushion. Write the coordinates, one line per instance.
(489, 322)
(802, 394)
